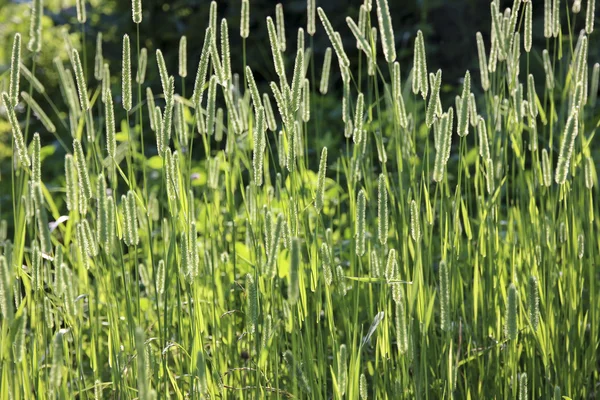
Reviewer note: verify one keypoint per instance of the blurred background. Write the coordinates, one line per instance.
(449, 27)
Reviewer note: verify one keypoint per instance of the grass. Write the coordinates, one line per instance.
(433, 254)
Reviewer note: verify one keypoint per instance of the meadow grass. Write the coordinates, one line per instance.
(420, 258)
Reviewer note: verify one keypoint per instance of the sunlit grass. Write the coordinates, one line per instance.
(198, 247)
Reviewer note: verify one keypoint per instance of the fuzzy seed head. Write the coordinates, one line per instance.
(297, 80)
(225, 52)
(202, 68)
(335, 39)
(523, 386)
(324, 84)
(444, 289)
(588, 170)
(580, 246)
(391, 266)
(57, 363)
(548, 69)
(275, 49)
(82, 170)
(566, 148)
(71, 183)
(245, 19)
(547, 18)
(37, 280)
(310, 12)
(463, 113)
(528, 23)
(415, 224)
(362, 42)
(252, 298)
(36, 167)
(306, 100)
(15, 65)
(533, 302)
(360, 233)
(320, 195)
(136, 11)
(80, 78)
(182, 57)
(358, 119)
(555, 17)
(6, 304)
(126, 73)
(443, 145)
(342, 375)
(35, 27)
(81, 12)
(512, 304)
(590, 16)
(422, 70)
(483, 63)
(362, 387)
(434, 99)
(280, 22)
(99, 58)
(294, 288)
(387, 31)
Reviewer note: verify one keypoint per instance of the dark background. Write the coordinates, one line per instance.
(449, 27)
